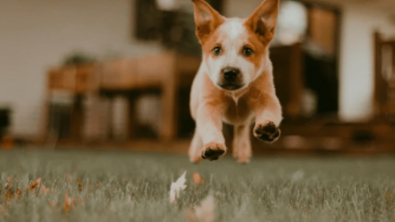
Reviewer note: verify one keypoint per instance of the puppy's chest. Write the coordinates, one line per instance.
(237, 111)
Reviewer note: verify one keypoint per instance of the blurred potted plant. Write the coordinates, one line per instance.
(77, 73)
(78, 58)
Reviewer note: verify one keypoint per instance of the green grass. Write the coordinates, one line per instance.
(135, 186)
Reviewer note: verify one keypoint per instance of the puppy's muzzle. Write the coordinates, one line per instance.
(231, 79)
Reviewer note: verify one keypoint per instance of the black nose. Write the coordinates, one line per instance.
(230, 74)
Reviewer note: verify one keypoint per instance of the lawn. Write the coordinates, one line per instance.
(123, 186)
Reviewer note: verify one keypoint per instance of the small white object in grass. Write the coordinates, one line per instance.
(177, 187)
(203, 213)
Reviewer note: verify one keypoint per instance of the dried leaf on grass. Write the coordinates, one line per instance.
(8, 196)
(19, 193)
(10, 193)
(177, 187)
(67, 202)
(33, 185)
(80, 186)
(203, 213)
(198, 179)
(9, 183)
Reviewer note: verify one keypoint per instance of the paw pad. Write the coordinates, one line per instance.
(213, 151)
(268, 132)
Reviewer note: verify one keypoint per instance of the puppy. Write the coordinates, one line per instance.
(234, 83)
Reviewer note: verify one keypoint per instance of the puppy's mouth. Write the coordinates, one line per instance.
(231, 86)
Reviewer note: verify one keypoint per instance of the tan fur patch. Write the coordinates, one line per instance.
(211, 42)
(259, 48)
(207, 20)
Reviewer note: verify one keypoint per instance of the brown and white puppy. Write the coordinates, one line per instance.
(235, 82)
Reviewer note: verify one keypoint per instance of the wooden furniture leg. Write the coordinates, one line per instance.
(169, 104)
(110, 118)
(45, 117)
(77, 118)
(131, 117)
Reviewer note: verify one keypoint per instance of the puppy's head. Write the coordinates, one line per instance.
(235, 51)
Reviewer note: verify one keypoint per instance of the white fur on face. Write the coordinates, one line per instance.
(232, 37)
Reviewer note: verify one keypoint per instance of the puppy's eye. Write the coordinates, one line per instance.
(217, 51)
(247, 51)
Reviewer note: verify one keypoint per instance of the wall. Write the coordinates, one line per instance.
(37, 34)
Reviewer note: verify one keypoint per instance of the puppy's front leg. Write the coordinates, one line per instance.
(242, 144)
(268, 118)
(209, 126)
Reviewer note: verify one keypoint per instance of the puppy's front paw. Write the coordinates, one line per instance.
(213, 151)
(267, 132)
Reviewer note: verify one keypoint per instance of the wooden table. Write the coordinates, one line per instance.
(164, 73)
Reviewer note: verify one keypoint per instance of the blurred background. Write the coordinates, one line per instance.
(103, 73)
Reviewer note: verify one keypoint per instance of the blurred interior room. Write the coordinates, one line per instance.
(79, 73)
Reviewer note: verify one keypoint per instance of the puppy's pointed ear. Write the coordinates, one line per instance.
(207, 19)
(263, 21)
